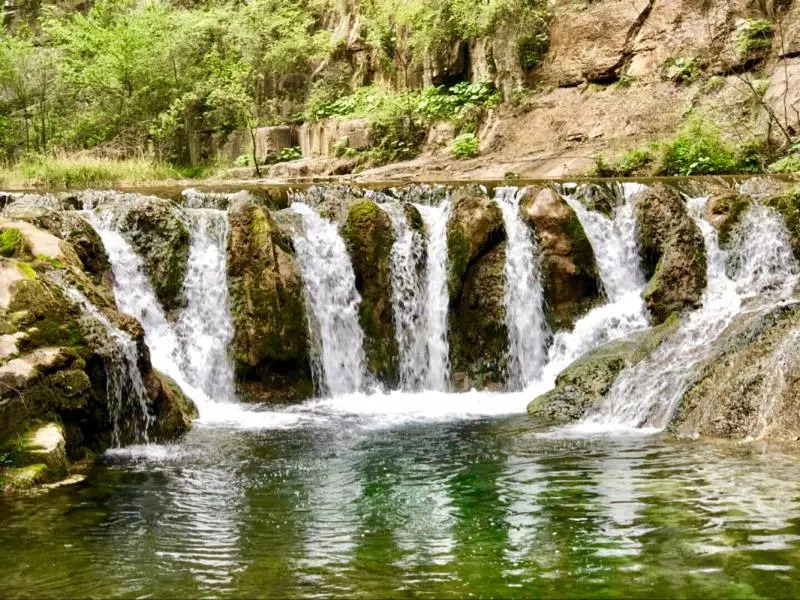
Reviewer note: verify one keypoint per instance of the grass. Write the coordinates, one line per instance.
(68, 171)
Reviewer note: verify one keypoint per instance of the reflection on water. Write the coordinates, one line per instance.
(481, 507)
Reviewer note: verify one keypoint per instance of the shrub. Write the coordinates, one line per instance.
(465, 145)
(11, 241)
(682, 69)
(243, 160)
(287, 154)
(698, 149)
(788, 164)
(755, 38)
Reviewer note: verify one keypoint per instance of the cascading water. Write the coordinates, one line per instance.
(205, 326)
(408, 299)
(125, 389)
(332, 301)
(646, 394)
(436, 294)
(616, 252)
(528, 332)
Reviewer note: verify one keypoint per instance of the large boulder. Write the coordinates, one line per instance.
(749, 387)
(154, 228)
(582, 387)
(369, 238)
(477, 330)
(569, 270)
(673, 252)
(270, 344)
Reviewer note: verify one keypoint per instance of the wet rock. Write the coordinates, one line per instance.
(38, 456)
(750, 385)
(673, 253)
(158, 235)
(369, 237)
(270, 344)
(581, 387)
(724, 211)
(476, 256)
(787, 203)
(569, 270)
(175, 411)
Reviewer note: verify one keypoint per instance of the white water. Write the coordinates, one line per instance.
(528, 332)
(338, 361)
(436, 293)
(125, 387)
(616, 252)
(408, 299)
(646, 394)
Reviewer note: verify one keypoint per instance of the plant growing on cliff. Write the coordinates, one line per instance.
(754, 38)
(681, 69)
(465, 146)
(698, 149)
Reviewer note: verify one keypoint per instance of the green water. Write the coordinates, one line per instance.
(482, 508)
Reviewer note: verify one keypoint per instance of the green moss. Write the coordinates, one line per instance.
(26, 270)
(457, 258)
(23, 478)
(12, 242)
(788, 205)
(53, 262)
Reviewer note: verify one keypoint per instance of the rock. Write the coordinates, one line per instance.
(673, 253)
(369, 237)
(175, 411)
(787, 203)
(269, 142)
(158, 235)
(750, 385)
(581, 387)
(784, 91)
(320, 139)
(39, 456)
(569, 270)
(476, 281)
(270, 344)
(724, 211)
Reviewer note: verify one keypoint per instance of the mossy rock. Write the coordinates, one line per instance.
(175, 411)
(673, 253)
(725, 211)
(748, 387)
(582, 387)
(271, 339)
(13, 243)
(369, 237)
(570, 277)
(787, 204)
(34, 457)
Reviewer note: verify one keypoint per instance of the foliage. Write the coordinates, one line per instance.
(465, 145)
(681, 69)
(788, 164)
(11, 240)
(287, 154)
(754, 38)
(698, 149)
(634, 162)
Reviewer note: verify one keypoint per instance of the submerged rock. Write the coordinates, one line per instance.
(160, 237)
(581, 387)
(270, 344)
(569, 270)
(369, 237)
(673, 253)
(749, 387)
(477, 330)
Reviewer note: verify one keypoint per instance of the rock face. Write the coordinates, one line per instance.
(154, 228)
(270, 345)
(369, 238)
(749, 387)
(55, 358)
(582, 386)
(477, 330)
(569, 270)
(673, 253)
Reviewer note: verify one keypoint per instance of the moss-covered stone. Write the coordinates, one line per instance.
(175, 411)
(673, 253)
(476, 322)
(787, 203)
(748, 387)
(582, 386)
(270, 344)
(159, 236)
(724, 211)
(569, 270)
(368, 235)
(13, 243)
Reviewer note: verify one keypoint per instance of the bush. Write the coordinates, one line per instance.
(287, 154)
(465, 145)
(11, 240)
(698, 149)
(682, 69)
(755, 38)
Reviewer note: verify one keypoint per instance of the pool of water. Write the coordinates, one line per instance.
(480, 507)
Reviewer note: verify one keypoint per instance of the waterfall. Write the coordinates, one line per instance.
(193, 351)
(408, 299)
(125, 387)
(437, 298)
(338, 361)
(524, 297)
(205, 326)
(615, 246)
(647, 393)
